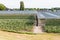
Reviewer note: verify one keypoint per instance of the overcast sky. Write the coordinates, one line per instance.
(31, 3)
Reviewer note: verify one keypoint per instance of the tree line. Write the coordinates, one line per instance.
(3, 7)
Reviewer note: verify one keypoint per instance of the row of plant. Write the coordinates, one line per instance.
(17, 16)
(25, 23)
(52, 25)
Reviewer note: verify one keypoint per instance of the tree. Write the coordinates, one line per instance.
(38, 9)
(2, 7)
(34, 8)
(21, 5)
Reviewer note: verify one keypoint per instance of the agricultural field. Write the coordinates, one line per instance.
(17, 23)
(52, 26)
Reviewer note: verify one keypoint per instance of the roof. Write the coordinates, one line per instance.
(40, 14)
(18, 12)
(48, 15)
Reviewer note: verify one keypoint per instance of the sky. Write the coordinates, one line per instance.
(31, 3)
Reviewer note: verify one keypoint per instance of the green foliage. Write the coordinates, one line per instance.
(38, 9)
(57, 8)
(2, 7)
(21, 5)
(52, 10)
(18, 16)
(52, 25)
(30, 9)
(34, 8)
(17, 23)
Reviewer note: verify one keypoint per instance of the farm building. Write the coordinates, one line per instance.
(26, 20)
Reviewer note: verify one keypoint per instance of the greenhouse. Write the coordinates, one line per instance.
(18, 21)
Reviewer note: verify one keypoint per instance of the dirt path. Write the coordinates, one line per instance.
(37, 29)
(15, 36)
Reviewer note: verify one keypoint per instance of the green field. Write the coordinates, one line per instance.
(17, 23)
(25, 23)
(52, 25)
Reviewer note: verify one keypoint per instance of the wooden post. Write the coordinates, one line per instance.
(36, 20)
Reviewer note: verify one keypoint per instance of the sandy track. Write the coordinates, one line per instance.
(37, 29)
(15, 36)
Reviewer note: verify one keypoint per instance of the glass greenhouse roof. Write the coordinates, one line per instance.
(40, 15)
(48, 15)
